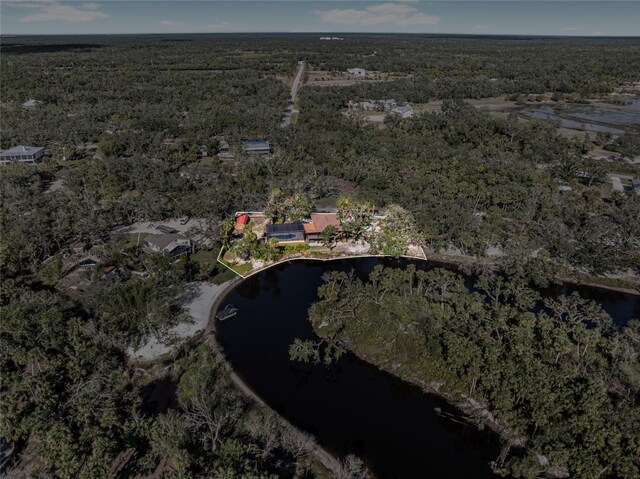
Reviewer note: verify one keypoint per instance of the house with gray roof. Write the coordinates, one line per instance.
(29, 104)
(357, 72)
(173, 245)
(256, 147)
(22, 154)
(404, 111)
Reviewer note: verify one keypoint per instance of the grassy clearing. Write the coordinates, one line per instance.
(242, 269)
(227, 259)
(206, 259)
(134, 239)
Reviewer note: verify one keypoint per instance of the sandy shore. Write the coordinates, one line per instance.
(201, 298)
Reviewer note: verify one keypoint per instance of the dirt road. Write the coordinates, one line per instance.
(286, 119)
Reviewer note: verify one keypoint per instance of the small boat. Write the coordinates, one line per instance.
(228, 312)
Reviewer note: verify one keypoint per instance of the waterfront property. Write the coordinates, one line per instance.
(319, 222)
(22, 154)
(256, 147)
(241, 221)
(172, 244)
(286, 233)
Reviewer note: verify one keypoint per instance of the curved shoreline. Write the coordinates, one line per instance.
(476, 414)
(566, 280)
(209, 337)
(467, 405)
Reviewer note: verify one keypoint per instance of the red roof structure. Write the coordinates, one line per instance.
(242, 220)
(319, 222)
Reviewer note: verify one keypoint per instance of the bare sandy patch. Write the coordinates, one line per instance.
(199, 299)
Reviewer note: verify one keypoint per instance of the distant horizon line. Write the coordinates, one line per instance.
(536, 35)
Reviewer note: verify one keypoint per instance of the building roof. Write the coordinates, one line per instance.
(319, 222)
(22, 150)
(31, 103)
(166, 242)
(616, 183)
(197, 238)
(403, 109)
(250, 144)
(285, 228)
(242, 219)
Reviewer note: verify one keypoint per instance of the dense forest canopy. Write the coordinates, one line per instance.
(556, 373)
(126, 120)
(151, 104)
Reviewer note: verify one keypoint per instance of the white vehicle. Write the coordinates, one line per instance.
(184, 220)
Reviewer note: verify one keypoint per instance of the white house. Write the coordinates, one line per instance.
(22, 154)
(616, 184)
(358, 72)
(27, 105)
(404, 111)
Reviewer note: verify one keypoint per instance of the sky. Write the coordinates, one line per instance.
(502, 17)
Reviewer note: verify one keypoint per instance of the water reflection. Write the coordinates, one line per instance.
(352, 407)
(615, 120)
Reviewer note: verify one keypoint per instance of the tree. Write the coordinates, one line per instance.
(226, 229)
(568, 166)
(593, 170)
(329, 236)
(354, 216)
(52, 271)
(276, 206)
(352, 467)
(298, 206)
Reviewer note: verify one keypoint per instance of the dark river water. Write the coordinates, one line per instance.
(352, 407)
